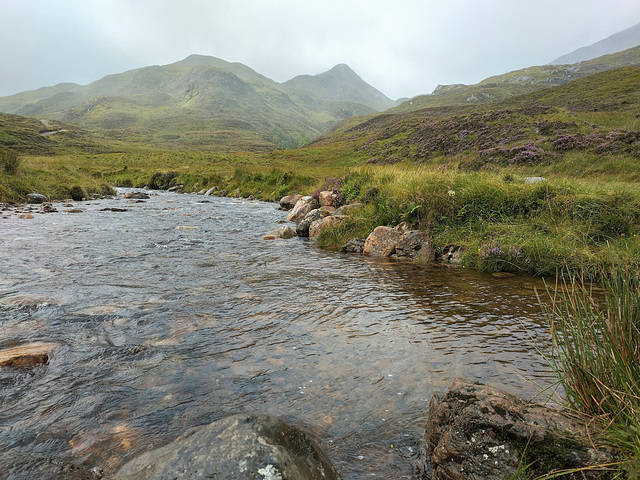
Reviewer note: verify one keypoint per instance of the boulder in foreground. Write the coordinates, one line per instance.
(478, 432)
(241, 447)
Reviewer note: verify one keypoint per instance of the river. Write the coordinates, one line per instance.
(175, 313)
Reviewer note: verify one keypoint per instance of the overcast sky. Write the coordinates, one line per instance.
(401, 47)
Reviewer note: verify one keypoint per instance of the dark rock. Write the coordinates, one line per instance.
(36, 198)
(415, 245)
(479, 432)
(241, 447)
(113, 209)
(302, 229)
(48, 208)
(288, 202)
(355, 245)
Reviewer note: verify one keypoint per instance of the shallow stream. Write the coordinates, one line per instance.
(176, 313)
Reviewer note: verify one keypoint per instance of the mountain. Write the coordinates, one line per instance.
(519, 82)
(204, 103)
(618, 42)
(341, 84)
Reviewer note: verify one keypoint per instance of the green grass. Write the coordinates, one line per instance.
(596, 355)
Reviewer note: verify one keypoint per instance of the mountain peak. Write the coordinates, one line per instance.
(343, 84)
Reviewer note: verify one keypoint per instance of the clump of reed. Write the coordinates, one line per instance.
(596, 355)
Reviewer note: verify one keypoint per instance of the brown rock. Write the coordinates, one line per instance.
(284, 232)
(26, 355)
(479, 432)
(26, 216)
(382, 242)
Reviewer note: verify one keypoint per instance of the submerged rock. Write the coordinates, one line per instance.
(136, 195)
(26, 356)
(355, 245)
(241, 447)
(479, 432)
(284, 232)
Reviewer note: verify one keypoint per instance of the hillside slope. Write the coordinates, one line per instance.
(500, 87)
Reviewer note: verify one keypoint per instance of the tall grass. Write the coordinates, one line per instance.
(596, 355)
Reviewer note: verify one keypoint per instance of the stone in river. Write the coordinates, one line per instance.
(36, 198)
(26, 355)
(241, 447)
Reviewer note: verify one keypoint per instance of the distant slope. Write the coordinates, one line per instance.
(595, 114)
(203, 103)
(29, 136)
(618, 42)
(500, 87)
(341, 84)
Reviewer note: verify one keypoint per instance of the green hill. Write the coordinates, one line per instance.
(500, 87)
(596, 115)
(203, 103)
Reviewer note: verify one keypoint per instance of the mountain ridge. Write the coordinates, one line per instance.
(615, 43)
(204, 102)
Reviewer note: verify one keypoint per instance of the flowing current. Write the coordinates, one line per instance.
(175, 313)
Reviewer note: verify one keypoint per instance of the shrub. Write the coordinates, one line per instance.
(77, 193)
(9, 161)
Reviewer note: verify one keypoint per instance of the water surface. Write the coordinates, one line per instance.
(175, 313)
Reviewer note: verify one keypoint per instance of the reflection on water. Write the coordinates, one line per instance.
(176, 313)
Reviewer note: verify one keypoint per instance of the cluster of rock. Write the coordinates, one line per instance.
(314, 214)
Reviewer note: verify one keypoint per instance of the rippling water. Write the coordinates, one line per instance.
(176, 313)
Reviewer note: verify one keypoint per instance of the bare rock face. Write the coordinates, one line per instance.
(241, 447)
(26, 356)
(477, 432)
(302, 207)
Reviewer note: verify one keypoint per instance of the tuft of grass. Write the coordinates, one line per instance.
(596, 356)
(9, 161)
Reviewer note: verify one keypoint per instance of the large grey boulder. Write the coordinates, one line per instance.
(477, 432)
(36, 198)
(241, 447)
